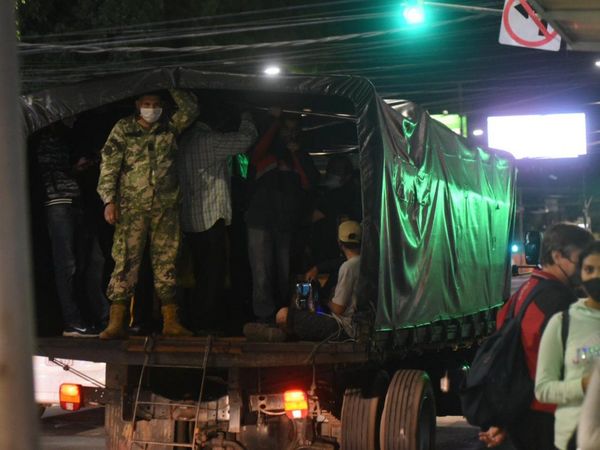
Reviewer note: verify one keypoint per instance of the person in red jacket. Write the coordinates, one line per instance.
(283, 174)
(561, 247)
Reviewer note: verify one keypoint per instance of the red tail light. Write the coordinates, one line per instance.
(71, 397)
(295, 404)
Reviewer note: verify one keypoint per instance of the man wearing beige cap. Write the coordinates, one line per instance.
(315, 326)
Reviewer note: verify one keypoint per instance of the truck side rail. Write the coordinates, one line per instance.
(189, 352)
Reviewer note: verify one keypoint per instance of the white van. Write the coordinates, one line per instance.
(49, 374)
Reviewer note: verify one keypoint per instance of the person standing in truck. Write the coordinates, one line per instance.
(64, 216)
(339, 199)
(554, 292)
(206, 209)
(283, 174)
(138, 185)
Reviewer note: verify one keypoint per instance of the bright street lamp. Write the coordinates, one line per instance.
(272, 71)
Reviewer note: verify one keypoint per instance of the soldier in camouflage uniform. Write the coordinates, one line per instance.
(138, 185)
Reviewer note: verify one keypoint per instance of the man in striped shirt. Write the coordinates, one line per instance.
(205, 183)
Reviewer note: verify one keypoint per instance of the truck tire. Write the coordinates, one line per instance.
(408, 419)
(361, 412)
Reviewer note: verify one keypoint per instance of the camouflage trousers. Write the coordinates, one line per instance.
(131, 233)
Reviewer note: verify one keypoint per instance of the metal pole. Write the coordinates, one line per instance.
(521, 213)
(339, 116)
(18, 423)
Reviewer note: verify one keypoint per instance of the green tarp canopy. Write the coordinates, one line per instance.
(445, 218)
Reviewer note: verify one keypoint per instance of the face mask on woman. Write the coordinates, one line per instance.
(592, 287)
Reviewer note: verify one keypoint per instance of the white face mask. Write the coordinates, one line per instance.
(150, 115)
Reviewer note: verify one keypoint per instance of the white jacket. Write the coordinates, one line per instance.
(588, 434)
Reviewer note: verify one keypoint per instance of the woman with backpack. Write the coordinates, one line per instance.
(563, 372)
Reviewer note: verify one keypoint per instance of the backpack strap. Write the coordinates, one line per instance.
(564, 334)
(528, 300)
(514, 299)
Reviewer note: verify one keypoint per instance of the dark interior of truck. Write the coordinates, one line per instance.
(328, 128)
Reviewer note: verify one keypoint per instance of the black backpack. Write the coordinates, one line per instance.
(498, 388)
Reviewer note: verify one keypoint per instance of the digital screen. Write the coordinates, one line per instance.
(539, 136)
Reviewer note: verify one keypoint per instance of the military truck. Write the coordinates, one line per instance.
(437, 221)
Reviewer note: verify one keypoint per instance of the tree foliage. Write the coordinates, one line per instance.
(71, 22)
(43, 17)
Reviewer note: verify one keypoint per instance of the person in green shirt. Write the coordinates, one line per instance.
(563, 375)
(139, 187)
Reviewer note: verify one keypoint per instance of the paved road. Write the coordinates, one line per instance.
(72, 431)
(454, 433)
(84, 431)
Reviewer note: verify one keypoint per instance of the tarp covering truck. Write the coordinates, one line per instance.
(435, 265)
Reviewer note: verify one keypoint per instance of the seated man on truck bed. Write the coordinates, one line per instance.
(317, 326)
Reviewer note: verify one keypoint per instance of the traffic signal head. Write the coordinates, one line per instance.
(414, 12)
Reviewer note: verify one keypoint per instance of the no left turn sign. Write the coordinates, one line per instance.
(522, 27)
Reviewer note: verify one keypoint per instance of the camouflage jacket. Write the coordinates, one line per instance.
(138, 164)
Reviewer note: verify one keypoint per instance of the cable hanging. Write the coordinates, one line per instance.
(29, 49)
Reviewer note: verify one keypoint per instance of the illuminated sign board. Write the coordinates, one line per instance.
(539, 136)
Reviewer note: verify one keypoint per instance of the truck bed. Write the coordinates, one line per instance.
(190, 352)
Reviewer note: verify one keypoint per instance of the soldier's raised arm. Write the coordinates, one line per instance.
(112, 154)
(187, 109)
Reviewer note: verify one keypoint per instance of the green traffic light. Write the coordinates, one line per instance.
(414, 14)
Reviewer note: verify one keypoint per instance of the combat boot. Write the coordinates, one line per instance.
(171, 325)
(116, 323)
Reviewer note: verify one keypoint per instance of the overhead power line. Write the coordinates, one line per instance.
(211, 33)
(30, 49)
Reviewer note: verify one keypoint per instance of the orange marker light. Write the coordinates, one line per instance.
(295, 404)
(71, 397)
